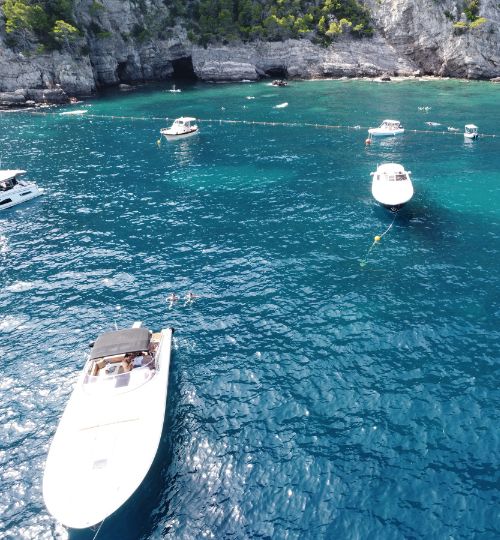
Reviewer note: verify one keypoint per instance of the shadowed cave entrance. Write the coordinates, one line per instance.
(277, 73)
(183, 69)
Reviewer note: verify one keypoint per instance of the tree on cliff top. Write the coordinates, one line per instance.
(275, 20)
(28, 22)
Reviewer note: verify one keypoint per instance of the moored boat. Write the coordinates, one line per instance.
(471, 131)
(388, 128)
(14, 191)
(110, 430)
(182, 127)
(392, 186)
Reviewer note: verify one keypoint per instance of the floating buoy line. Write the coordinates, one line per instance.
(376, 240)
(250, 123)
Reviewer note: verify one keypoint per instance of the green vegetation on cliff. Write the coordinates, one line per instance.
(46, 22)
(276, 20)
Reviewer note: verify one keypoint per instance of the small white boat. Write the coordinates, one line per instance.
(182, 127)
(387, 128)
(109, 433)
(174, 90)
(279, 82)
(281, 105)
(14, 191)
(391, 186)
(74, 113)
(471, 131)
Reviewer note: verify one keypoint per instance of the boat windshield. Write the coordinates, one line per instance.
(390, 125)
(7, 184)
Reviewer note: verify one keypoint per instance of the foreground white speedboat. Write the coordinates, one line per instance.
(182, 127)
(391, 186)
(14, 191)
(109, 433)
(388, 128)
(471, 131)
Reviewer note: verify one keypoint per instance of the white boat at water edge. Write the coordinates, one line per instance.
(281, 105)
(174, 90)
(392, 186)
(110, 431)
(74, 113)
(182, 127)
(471, 132)
(14, 191)
(388, 128)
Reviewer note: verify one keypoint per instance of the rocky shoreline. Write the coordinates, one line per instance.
(33, 98)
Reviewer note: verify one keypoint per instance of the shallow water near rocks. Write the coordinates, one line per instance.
(310, 396)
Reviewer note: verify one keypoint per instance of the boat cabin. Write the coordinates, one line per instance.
(120, 352)
(471, 131)
(391, 124)
(8, 179)
(183, 122)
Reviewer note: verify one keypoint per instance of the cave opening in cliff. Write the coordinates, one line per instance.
(277, 73)
(183, 69)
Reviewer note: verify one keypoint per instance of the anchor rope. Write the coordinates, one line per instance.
(377, 239)
(95, 536)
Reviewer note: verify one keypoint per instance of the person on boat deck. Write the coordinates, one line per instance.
(126, 364)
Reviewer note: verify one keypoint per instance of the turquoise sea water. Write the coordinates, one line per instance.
(310, 397)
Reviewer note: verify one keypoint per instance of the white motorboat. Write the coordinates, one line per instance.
(174, 90)
(14, 191)
(391, 186)
(182, 127)
(109, 432)
(388, 128)
(76, 112)
(471, 131)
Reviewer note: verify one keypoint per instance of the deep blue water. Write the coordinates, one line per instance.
(310, 397)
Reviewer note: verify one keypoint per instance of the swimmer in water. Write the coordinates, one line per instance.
(189, 298)
(171, 298)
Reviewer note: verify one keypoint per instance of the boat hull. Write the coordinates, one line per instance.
(390, 197)
(175, 136)
(105, 445)
(28, 192)
(377, 132)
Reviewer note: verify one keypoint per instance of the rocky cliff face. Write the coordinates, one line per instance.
(412, 37)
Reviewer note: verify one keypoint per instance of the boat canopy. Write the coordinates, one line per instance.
(391, 123)
(120, 342)
(8, 174)
(471, 127)
(185, 120)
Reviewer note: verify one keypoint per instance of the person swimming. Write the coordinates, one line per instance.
(189, 298)
(172, 298)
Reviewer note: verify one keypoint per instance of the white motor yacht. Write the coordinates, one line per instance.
(388, 128)
(182, 127)
(471, 131)
(14, 191)
(391, 186)
(109, 432)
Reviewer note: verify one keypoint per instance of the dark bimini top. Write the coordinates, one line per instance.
(120, 342)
